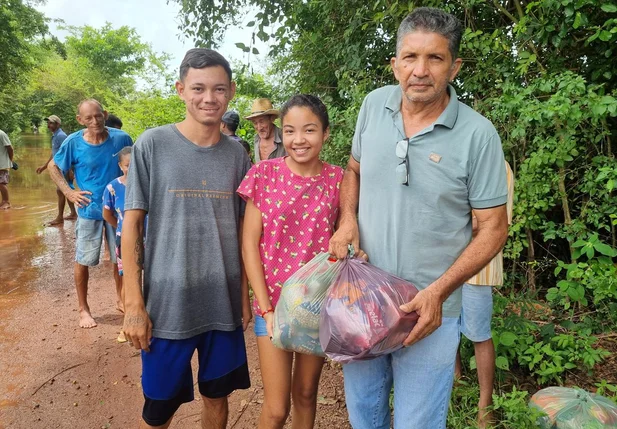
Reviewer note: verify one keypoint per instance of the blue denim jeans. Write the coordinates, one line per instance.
(422, 375)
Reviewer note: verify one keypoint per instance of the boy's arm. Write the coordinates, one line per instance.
(137, 324)
(9, 150)
(109, 217)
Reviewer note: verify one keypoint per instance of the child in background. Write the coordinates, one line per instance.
(476, 316)
(113, 213)
(291, 211)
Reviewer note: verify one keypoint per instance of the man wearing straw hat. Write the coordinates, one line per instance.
(268, 142)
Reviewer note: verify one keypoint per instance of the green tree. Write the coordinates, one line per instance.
(118, 55)
(21, 32)
(107, 64)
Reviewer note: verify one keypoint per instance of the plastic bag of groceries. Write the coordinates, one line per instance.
(297, 313)
(567, 408)
(360, 318)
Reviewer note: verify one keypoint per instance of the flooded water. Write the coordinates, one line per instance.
(26, 245)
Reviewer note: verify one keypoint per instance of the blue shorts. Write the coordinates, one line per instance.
(167, 376)
(477, 312)
(89, 238)
(260, 327)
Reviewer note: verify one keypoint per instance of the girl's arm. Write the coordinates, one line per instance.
(247, 314)
(109, 217)
(251, 234)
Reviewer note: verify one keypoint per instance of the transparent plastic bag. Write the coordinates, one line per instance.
(297, 313)
(568, 408)
(360, 318)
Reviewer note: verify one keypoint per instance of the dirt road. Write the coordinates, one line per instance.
(57, 375)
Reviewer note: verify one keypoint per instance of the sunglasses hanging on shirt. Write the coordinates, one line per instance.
(402, 170)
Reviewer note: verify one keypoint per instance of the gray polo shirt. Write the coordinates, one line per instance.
(417, 232)
(279, 149)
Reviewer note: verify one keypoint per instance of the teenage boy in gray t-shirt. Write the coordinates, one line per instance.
(195, 294)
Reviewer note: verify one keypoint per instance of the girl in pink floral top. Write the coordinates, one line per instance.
(292, 209)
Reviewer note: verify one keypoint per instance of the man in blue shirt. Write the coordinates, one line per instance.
(57, 138)
(92, 154)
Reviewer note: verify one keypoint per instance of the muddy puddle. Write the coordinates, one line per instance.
(26, 245)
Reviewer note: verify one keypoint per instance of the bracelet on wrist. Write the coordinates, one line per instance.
(269, 310)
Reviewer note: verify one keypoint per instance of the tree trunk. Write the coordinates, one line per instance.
(609, 148)
(531, 261)
(565, 206)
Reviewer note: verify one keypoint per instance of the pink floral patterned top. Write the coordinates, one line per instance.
(298, 217)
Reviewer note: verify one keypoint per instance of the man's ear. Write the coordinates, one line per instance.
(180, 89)
(456, 67)
(232, 90)
(393, 67)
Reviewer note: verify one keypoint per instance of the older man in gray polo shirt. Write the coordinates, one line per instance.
(425, 161)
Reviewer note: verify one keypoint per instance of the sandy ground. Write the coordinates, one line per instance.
(57, 375)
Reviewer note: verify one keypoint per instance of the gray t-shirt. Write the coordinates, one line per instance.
(417, 232)
(192, 258)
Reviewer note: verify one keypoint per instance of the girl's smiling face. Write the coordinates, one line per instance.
(303, 135)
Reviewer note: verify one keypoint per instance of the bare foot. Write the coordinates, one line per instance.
(55, 222)
(120, 306)
(86, 320)
(485, 419)
(5, 205)
(72, 216)
(121, 338)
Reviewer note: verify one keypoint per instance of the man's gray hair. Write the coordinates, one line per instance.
(432, 20)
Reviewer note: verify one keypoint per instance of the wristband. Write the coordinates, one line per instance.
(269, 310)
